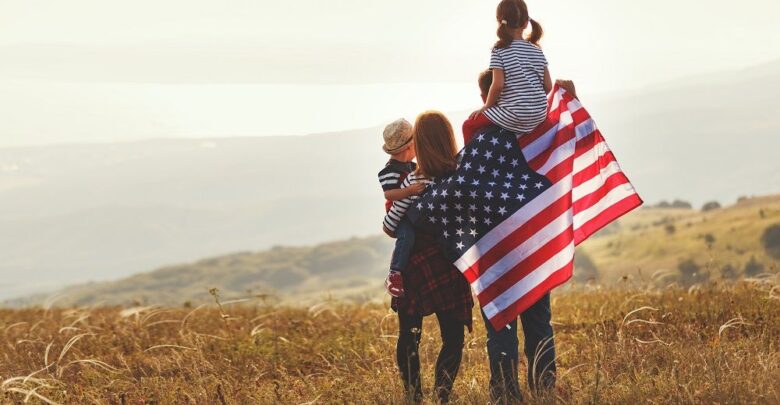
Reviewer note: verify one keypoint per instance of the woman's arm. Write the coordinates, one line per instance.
(401, 193)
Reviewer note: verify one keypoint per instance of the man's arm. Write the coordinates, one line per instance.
(568, 85)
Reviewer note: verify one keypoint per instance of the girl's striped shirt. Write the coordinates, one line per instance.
(522, 105)
(399, 208)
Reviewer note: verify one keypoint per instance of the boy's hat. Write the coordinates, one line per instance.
(398, 136)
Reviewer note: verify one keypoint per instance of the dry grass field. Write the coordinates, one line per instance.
(718, 344)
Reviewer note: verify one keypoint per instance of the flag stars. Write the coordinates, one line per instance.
(510, 176)
(475, 182)
(504, 196)
(508, 146)
(443, 207)
(461, 180)
(515, 163)
(473, 232)
(488, 155)
(489, 195)
(523, 187)
(481, 137)
(472, 220)
(460, 245)
(494, 141)
(521, 197)
(467, 165)
(459, 232)
(459, 219)
(481, 169)
(459, 207)
(458, 194)
(539, 185)
(501, 159)
(495, 173)
(473, 194)
(488, 222)
(502, 211)
(507, 185)
(487, 209)
(526, 176)
(474, 152)
(472, 207)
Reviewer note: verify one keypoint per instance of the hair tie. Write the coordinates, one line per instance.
(503, 22)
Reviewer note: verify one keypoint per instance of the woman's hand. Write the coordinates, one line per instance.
(416, 188)
(567, 85)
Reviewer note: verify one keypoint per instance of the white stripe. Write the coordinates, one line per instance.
(523, 251)
(396, 175)
(590, 157)
(515, 221)
(596, 182)
(529, 282)
(386, 182)
(616, 195)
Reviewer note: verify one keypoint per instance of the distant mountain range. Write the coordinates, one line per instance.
(73, 213)
(650, 246)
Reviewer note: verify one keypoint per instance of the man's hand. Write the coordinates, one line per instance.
(567, 85)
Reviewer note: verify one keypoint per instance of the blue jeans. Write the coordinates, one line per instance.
(404, 243)
(503, 350)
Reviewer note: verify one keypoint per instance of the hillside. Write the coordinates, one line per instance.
(646, 246)
(74, 213)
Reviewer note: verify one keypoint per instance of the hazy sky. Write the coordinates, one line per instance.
(72, 70)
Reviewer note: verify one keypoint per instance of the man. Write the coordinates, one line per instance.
(503, 345)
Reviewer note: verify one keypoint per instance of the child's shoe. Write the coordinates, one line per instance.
(395, 284)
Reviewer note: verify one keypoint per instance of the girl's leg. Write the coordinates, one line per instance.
(450, 355)
(409, 333)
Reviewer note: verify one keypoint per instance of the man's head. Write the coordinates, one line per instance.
(485, 81)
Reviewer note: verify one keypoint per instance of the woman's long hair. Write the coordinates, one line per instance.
(513, 14)
(434, 144)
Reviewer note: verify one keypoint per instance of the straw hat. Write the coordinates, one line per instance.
(398, 136)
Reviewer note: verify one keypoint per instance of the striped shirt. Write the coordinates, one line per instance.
(398, 209)
(522, 105)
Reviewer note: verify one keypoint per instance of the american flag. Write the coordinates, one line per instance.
(515, 208)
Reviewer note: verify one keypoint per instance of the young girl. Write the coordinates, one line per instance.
(517, 100)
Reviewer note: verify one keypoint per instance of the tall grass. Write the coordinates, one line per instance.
(712, 344)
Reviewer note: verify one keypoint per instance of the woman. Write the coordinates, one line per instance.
(431, 282)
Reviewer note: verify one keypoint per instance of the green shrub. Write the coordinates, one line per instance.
(771, 240)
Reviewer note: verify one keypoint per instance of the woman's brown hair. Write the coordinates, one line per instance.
(434, 144)
(513, 14)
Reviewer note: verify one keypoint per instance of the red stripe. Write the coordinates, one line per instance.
(530, 264)
(563, 136)
(593, 170)
(585, 144)
(608, 215)
(511, 313)
(553, 117)
(512, 240)
(587, 201)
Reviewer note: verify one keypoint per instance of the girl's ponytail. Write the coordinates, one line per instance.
(513, 14)
(504, 36)
(536, 32)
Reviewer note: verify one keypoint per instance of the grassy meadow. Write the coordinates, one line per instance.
(713, 344)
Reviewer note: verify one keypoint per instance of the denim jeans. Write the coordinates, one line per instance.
(539, 351)
(404, 243)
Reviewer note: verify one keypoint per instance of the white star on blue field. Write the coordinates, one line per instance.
(492, 181)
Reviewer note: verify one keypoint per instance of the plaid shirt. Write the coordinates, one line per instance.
(433, 284)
